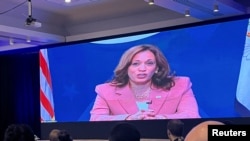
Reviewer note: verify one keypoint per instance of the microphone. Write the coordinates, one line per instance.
(149, 102)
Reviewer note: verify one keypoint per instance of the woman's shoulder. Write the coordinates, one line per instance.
(105, 86)
(105, 89)
(182, 80)
(181, 83)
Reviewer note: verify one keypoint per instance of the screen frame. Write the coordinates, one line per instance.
(98, 130)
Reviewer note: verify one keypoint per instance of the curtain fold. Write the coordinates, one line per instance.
(19, 90)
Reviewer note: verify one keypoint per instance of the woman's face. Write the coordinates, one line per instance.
(142, 68)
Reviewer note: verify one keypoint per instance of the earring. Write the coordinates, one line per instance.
(156, 71)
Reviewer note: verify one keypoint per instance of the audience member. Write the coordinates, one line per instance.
(175, 130)
(124, 132)
(64, 136)
(200, 131)
(19, 132)
(53, 135)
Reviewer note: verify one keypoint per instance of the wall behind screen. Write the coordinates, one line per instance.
(209, 54)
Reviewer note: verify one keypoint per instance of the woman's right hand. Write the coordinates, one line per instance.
(137, 116)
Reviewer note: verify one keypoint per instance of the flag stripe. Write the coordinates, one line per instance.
(46, 104)
(46, 93)
(44, 114)
(45, 69)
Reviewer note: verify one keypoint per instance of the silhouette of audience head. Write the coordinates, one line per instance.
(19, 132)
(64, 136)
(175, 129)
(124, 132)
(53, 135)
(200, 131)
(59, 135)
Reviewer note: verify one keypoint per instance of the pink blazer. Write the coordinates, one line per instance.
(114, 103)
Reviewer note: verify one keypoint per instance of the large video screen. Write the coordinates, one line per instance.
(214, 56)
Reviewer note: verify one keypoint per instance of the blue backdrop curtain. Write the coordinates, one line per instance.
(19, 90)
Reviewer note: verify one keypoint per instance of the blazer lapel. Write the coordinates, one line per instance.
(127, 99)
(158, 97)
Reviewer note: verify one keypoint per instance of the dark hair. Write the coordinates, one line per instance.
(124, 132)
(64, 136)
(176, 127)
(162, 79)
(19, 132)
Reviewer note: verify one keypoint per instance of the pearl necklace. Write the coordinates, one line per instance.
(141, 94)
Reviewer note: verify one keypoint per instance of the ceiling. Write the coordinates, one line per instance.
(86, 19)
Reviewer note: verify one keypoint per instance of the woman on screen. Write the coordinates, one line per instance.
(143, 88)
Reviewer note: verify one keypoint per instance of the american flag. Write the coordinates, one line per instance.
(243, 87)
(46, 91)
